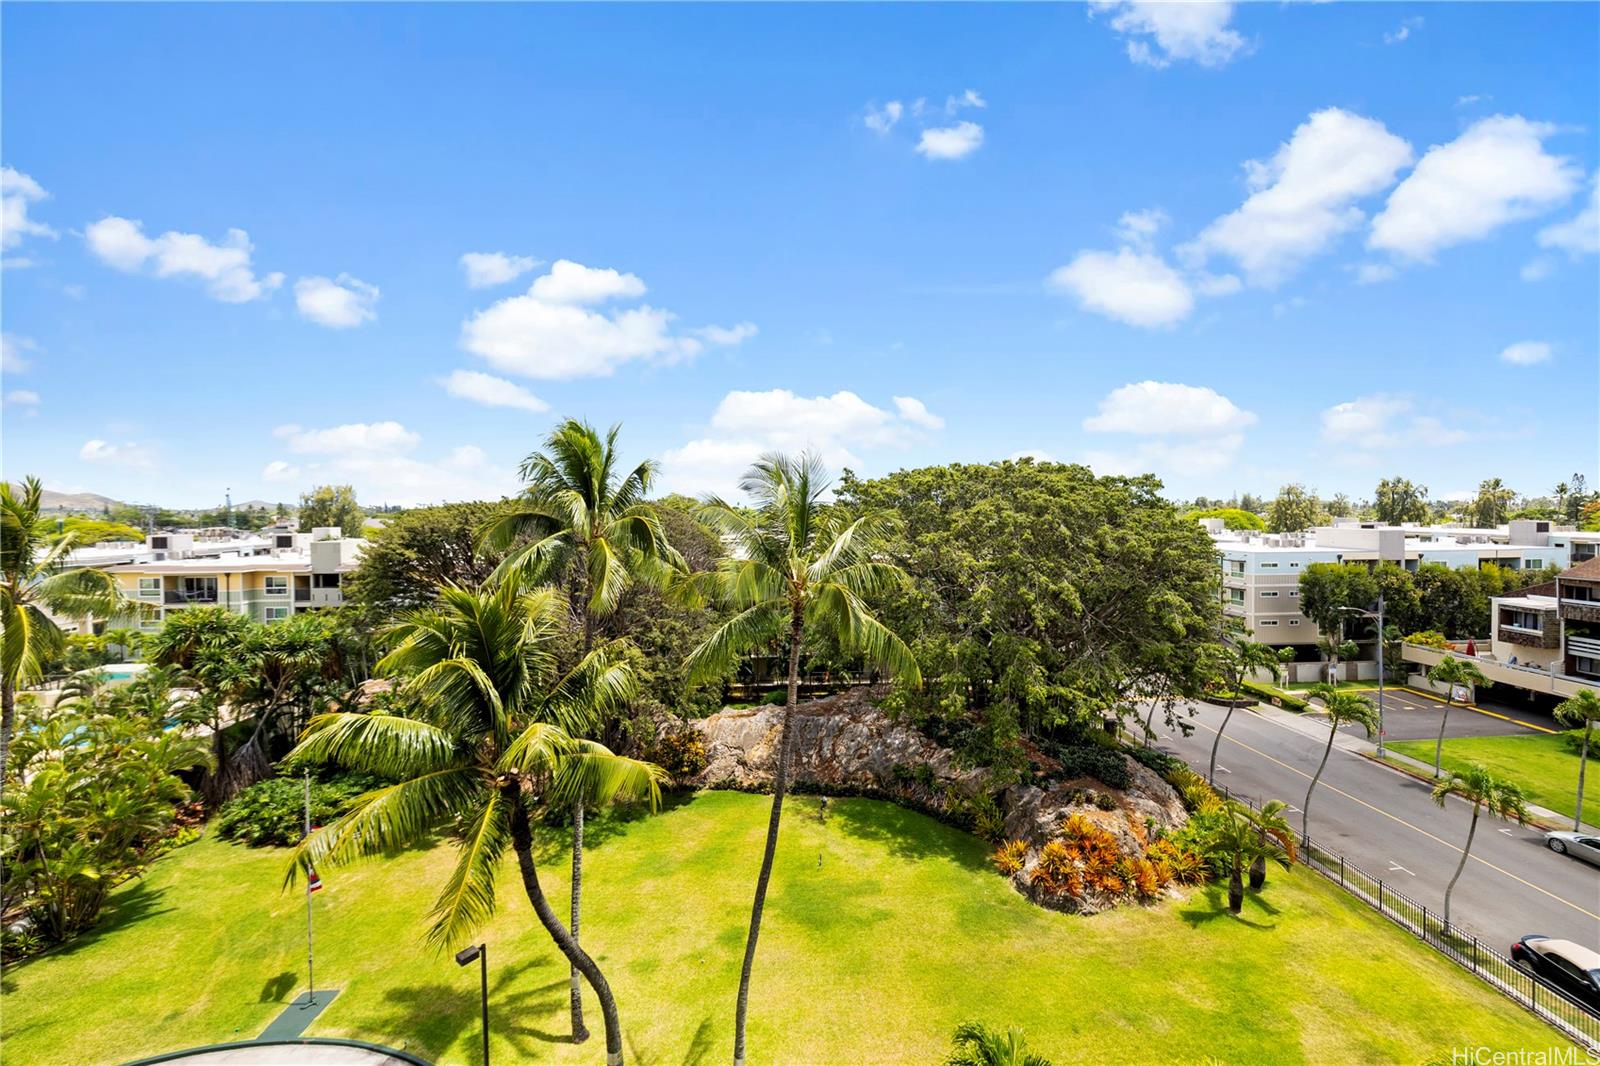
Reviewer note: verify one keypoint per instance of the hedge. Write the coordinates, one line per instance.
(1275, 697)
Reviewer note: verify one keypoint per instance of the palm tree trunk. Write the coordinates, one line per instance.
(522, 844)
(1258, 865)
(1235, 888)
(780, 783)
(580, 1031)
(1583, 764)
(8, 722)
(1444, 720)
(1211, 775)
(1305, 808)
(1462, 865)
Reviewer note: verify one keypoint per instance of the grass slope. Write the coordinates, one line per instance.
(1540, 762)
(885, 929)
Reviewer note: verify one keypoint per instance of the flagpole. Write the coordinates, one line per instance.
(311, 979)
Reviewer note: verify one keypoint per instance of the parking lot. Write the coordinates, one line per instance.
(1408, 715)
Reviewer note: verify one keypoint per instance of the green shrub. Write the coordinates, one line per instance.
(1273, 696)
(1428, 638)
(776, 698)
(273, 811)
(680, 752)
(1574, 741)
(1159, 761)
(1102, 764)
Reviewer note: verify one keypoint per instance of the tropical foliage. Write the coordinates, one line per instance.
(274, 811)
(1582, 711)
(1487, 794)
(1453, 674)
(1342, 709)
(977, 1044)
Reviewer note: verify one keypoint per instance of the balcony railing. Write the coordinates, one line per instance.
(1586, 646)
(178, 596)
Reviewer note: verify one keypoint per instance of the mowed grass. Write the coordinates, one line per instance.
(884, 930)
(1541, 763)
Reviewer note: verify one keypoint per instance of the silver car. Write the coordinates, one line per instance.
(1581, 845)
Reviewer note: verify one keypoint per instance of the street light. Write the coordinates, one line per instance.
(1378, 614)
(464, 957)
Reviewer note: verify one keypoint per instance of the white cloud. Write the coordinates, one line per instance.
(128, 454)
(1375, 273)
(279, 471)
(1159, 32)
(225, 268)
(1138, 288)
(17, 192)
(22, 398)
(490, 391)
(1384, 421)
(747, 424)
(951, 142)
(1303, 197)
(1403, 31)
(1580, 235)
(1496, 172)
(12, 347)
(1525, 353)
(1197, 458)
(969, 98)
(548, 333)
(1470, 99)
(881, 120)
(916, 412)
(338, 303)
(486, 269)
(1139, 228)
(1038, 455)
(349, 438)
(1164, 408)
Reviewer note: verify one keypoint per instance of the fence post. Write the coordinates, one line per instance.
(1474, 954)
(1380, 897)
(1341, 871)
(1424, 923)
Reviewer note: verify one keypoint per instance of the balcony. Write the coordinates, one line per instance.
(1576, 610)
(302, 595)
(1585, 646)
(1528, 638)
(179, 598)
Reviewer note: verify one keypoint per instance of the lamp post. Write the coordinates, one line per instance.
(464, 957)
(1378, 614)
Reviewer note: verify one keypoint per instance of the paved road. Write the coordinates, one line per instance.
(1386, 823)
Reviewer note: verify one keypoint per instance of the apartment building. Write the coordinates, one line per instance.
(266, 578)
(1261, 571)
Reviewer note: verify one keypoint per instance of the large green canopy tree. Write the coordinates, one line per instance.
(799, 566)
(36, 584)
(491, 735)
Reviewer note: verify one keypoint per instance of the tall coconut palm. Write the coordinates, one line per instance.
(1272, 831)
(798, 566)
(1451, 672)
(977, 1044)
(1237, 836)
(487, 740)
(1581, 711)
(1238, 661)
(584, 524)
(1342, 708)
(1489, 795)
(34, 585)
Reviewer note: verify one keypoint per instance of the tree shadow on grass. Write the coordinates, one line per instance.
(554, 843)
(126, 907)
(441, 1014)
(277, 986)
(695, 1055)
(906, 834)
(1197, 914)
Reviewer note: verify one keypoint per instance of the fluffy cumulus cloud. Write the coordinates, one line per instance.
(951, 142)
(490, 391)
(380, 460)
(561, 328)
(746, 424)
(1381, 421)
(1525, 353)
(1304, 196)
(1580, 235)
(125, 454)
(1130, 285)
(225, 268)
(15, 351)
(18, 193)
(1181, 430)
(1159, 32)
(487, 269)
(338, 303)
(1495, 173)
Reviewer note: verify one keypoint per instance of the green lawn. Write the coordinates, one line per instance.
(884, 930)
(1540, 762)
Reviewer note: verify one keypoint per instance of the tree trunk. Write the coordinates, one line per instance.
(580, 1031)
(780, 783)
(8, 722)
(1462, 865)
(1235, 889)
(1305, 808)
(1444, 720)
(1211, 775)
(1583, 765)
(522, 844)
(1258, 866)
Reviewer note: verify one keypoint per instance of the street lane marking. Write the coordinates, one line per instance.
(1394, 866)
(1402, 821)
(1480, 710)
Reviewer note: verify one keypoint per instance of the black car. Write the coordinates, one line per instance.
(1571, 967)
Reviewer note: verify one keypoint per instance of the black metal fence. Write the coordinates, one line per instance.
(1454, 942)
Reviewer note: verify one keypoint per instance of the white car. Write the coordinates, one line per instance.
(1580, 845)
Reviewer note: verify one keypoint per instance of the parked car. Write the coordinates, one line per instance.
(1579, 845)
(1571, 967)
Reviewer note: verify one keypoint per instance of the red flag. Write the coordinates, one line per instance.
(313, 882)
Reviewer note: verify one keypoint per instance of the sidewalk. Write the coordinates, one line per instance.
(1312, 725)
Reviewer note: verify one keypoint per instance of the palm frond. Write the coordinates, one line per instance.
(383, 744)
(593, 774)
(467, 900)
(839, 608)
(539, 748)
(388, 819)
(748, 629)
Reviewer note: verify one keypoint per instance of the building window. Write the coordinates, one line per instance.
(1236, 596)
(1295, 565)
(1294, 621)
(277, 586)
(1295, 594)
(1269, 622)
(1269, 595)
(324, 581)
(1269, 566)
(149, 588)
(274, 614)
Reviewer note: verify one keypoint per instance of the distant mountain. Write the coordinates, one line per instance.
(87, 502)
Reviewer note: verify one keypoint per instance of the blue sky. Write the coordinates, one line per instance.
(1237, 246)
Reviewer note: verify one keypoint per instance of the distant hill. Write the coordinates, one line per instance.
(86, 502)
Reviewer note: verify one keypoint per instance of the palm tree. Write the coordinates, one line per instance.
(1272, 831)
(1238, 837)
(35, 584)
(1488, 794)
(1581, 711)
(1451, 672)
(1238, 660)
(488, 740)
(798, 566)
(1343, 708)
(977, 1044)
(584, 526)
